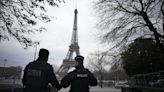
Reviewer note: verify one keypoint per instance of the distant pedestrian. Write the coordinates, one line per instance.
(39, 74)
(80, 79)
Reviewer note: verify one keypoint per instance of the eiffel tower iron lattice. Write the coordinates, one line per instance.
(69, 61)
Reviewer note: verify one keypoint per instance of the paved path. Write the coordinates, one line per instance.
(97, 89)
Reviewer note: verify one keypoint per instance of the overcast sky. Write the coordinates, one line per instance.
(57, 38)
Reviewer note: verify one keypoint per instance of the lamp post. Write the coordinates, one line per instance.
(5, 60)
(35, 45)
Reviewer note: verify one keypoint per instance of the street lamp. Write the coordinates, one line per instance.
(5, 60)
(35, 45)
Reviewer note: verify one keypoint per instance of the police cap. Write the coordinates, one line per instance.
(79, 59)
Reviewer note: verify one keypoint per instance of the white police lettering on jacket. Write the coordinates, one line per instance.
(35, 73)
(82, 75)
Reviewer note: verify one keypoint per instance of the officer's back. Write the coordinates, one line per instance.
(38, 74)
(80, 79)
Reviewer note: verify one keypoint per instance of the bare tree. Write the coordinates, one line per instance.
(125, 20)
(18, 18)
(99, 62)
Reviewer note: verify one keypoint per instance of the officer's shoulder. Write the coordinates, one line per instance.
(87, 70)
(30, 63)
(48, 65)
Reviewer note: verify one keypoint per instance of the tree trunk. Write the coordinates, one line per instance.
(154, 30)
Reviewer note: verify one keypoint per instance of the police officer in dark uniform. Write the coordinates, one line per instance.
(39, 74)
(80, 79)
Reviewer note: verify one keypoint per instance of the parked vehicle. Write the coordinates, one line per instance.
(121, 84)
(159, 83)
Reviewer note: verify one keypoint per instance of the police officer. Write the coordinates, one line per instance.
(39, 74)
(80, 79)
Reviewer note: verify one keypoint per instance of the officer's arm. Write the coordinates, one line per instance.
(92, 79)
(65, 82)
(24, 76)
(53, 80)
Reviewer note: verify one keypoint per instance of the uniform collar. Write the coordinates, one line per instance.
(79, 67)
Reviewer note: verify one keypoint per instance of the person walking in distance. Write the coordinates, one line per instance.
(39, 74)
(80, 79)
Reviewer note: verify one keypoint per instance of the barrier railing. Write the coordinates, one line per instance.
(155, 79)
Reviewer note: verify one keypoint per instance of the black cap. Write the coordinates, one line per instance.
(77, 58)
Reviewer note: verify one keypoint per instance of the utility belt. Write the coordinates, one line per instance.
(35, 89)
(43, 89)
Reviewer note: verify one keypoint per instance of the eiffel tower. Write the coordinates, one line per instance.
(69, 61)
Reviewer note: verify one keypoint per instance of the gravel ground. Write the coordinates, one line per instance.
(96, 89)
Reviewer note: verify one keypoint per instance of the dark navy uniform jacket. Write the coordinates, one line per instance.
(37, 75)
(80, 80)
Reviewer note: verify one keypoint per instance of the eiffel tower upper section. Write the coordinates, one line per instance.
(74, 47)
(69, 61)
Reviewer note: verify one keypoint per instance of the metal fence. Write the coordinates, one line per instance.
(155, 79)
